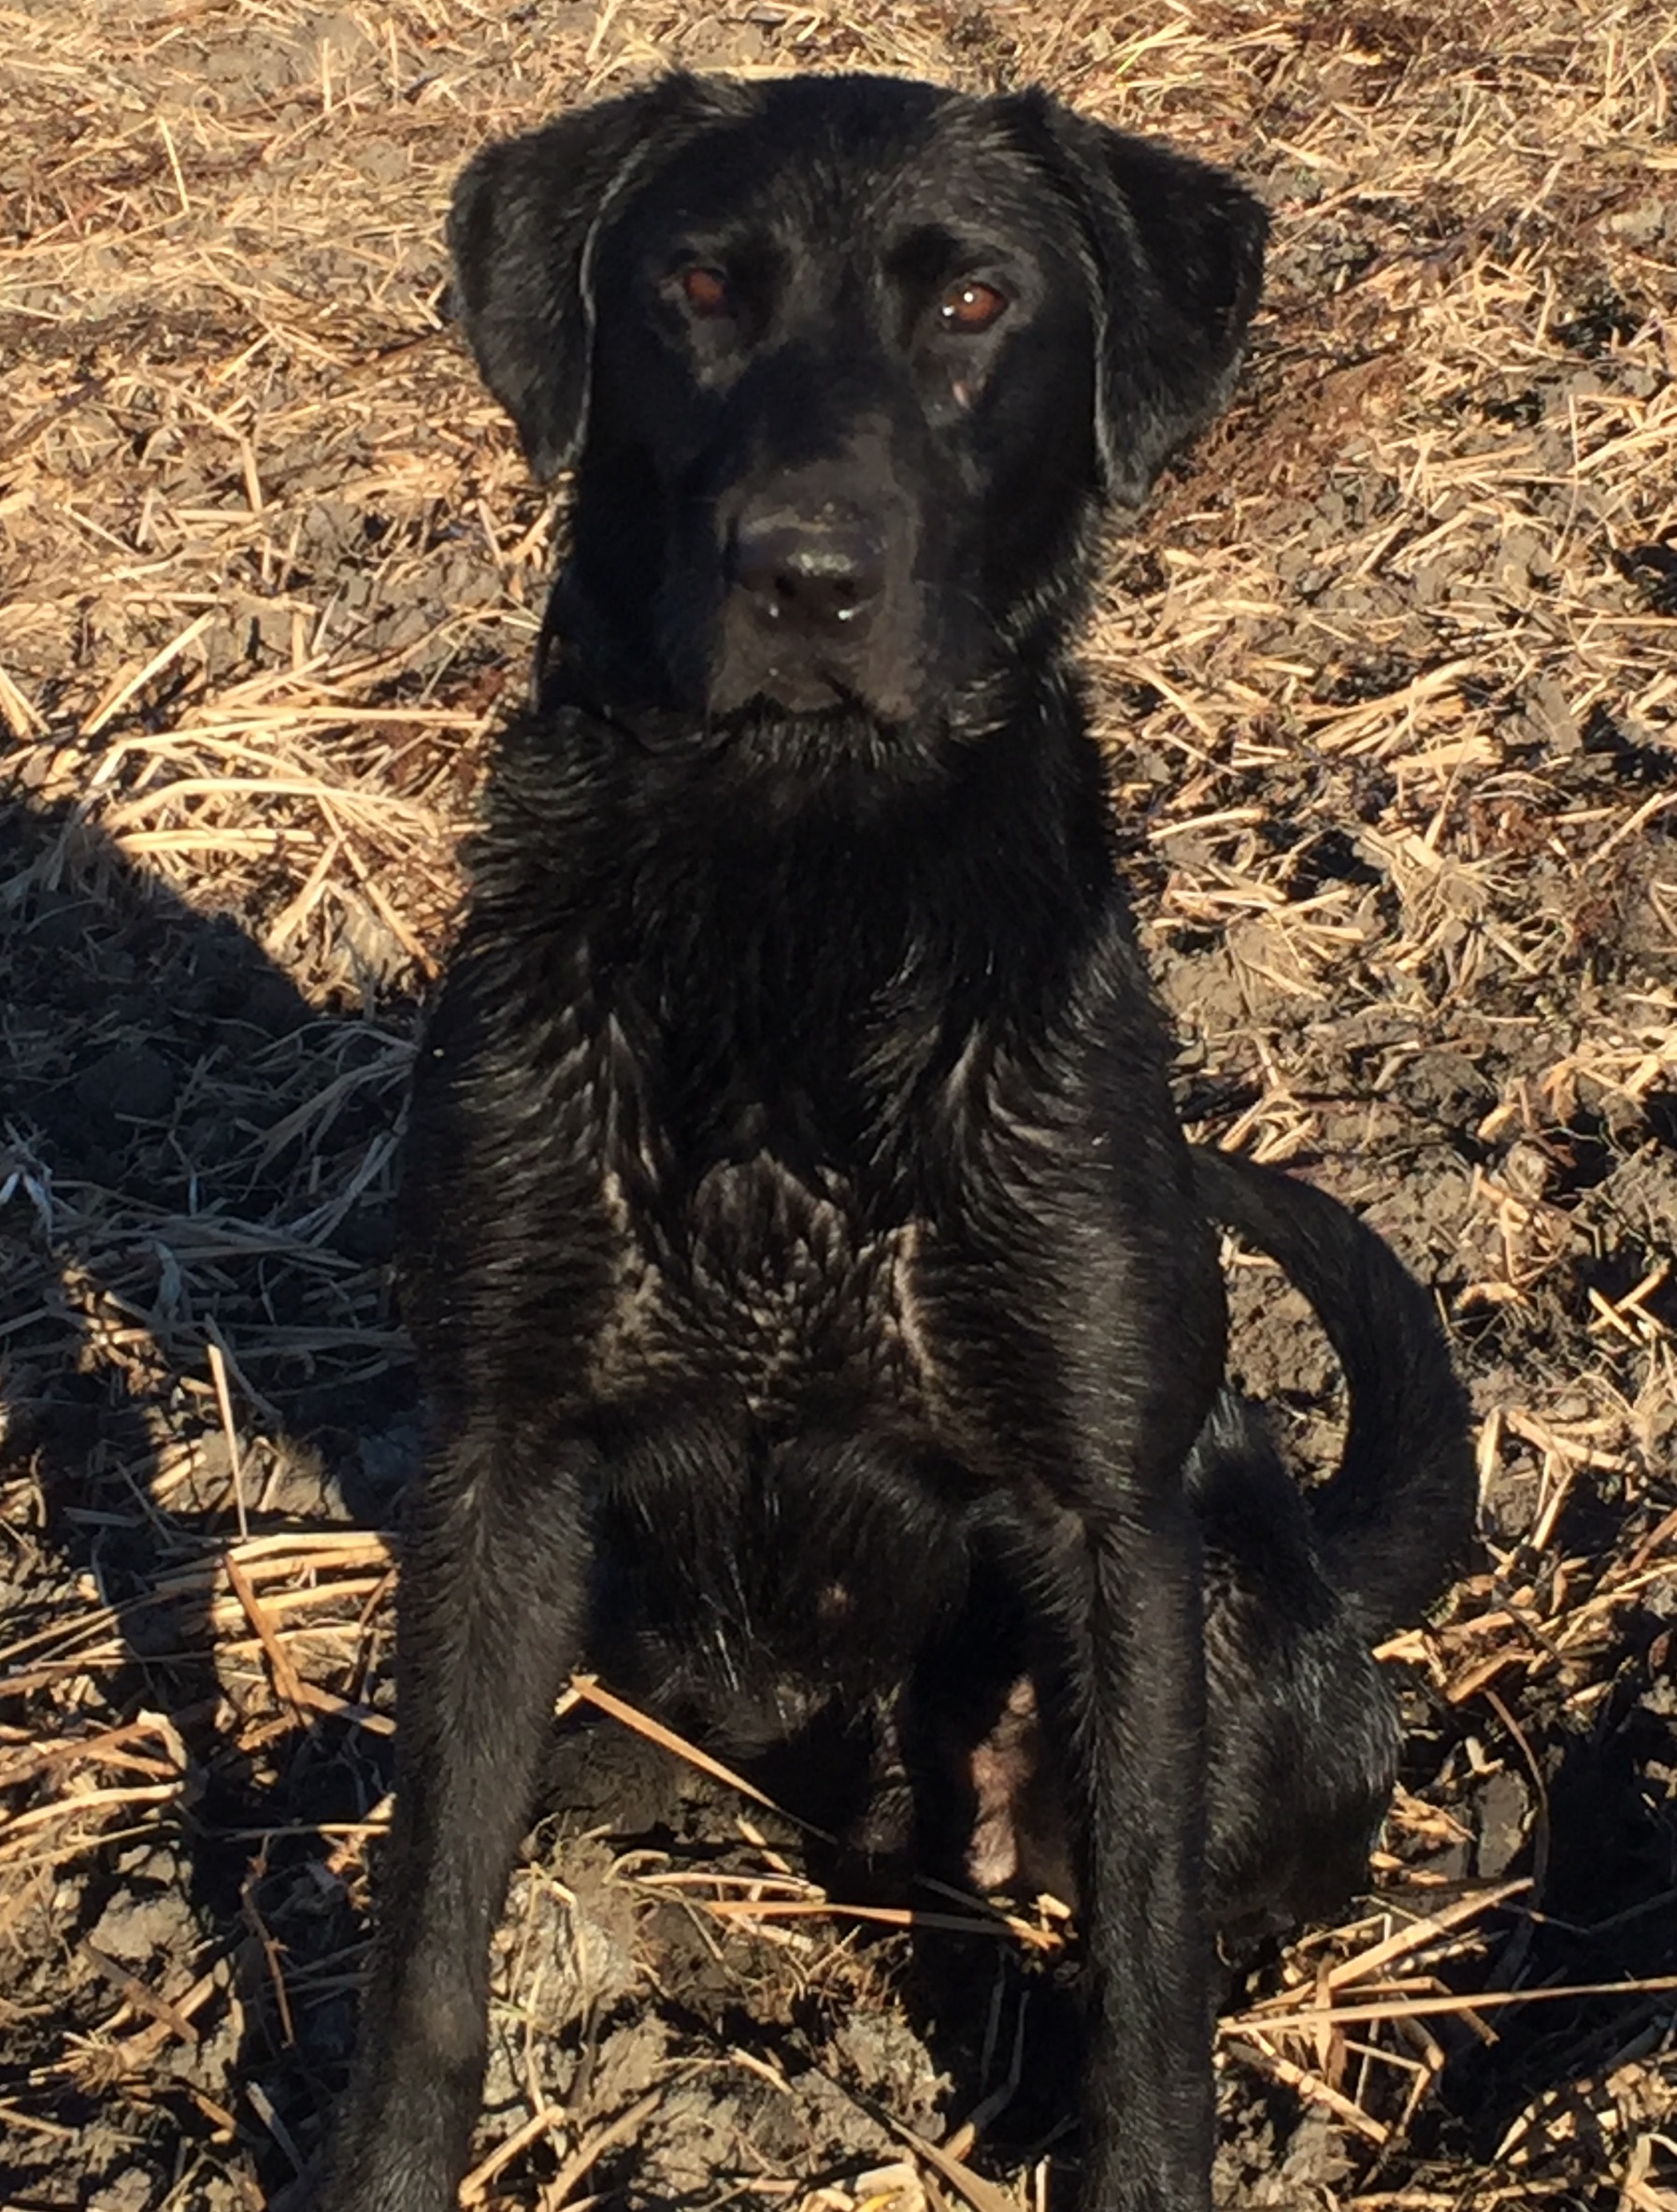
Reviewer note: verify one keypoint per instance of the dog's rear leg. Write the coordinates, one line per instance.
(489, 1614)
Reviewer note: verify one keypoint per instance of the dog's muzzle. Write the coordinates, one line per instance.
(819, 604)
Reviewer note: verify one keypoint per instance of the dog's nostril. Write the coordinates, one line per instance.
(817, 575)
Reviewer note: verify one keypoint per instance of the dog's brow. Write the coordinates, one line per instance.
(924, 254)
(753, 253)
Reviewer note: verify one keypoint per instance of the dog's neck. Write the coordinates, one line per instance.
(995, 783)
(799, 959)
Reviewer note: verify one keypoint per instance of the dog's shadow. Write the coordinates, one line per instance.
(194, 1159)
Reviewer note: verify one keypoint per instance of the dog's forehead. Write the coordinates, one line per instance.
(846, 162)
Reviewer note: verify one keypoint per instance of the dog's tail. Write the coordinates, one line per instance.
(1396, 1522)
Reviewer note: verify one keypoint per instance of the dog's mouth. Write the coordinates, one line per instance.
(814, 688)
(806, 687)
(801, 687)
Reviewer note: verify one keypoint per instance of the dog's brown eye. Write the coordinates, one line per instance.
(706, 292)
(970, 307)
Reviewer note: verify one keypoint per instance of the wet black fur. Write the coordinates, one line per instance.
(803, 1254)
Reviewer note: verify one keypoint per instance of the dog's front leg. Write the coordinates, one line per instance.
(1126, 1678)
(489, 1614)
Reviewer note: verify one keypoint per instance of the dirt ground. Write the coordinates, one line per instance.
(1387, 674)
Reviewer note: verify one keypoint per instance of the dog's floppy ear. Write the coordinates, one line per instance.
(1178, 255)
(521, 228)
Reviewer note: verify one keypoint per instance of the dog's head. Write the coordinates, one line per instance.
(846, 366)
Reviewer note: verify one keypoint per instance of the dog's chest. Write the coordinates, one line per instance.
(770, 1287)
(766, 1037)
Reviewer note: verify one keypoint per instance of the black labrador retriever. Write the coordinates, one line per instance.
(816, 1296)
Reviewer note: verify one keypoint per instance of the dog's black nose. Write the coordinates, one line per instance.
(823, 572)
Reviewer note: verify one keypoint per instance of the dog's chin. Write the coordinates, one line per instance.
(842, 753)
(840, 728)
